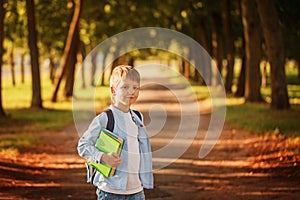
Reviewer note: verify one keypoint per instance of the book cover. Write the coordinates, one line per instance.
(107, 142)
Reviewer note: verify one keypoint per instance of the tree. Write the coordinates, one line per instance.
(252, 35)
(289, 15)
(275, 50)
(229, 44)
(36, 101)
(15, 32)
(217, 45)
(70, 73)
(53, 20)
(240, 92)
(67, 64)
(2, 15)
(202, 38)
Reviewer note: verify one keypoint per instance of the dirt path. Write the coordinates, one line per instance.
(241, 165)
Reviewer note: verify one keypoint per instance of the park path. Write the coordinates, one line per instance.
(240, 166)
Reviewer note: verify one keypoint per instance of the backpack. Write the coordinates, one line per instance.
(91, 171)
(111, 121)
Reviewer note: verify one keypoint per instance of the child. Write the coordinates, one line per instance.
(134, 166)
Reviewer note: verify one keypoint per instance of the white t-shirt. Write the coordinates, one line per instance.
(133, 182)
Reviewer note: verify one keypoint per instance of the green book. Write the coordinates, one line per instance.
(107, 142)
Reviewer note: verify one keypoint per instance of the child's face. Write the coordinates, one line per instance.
(126, 92)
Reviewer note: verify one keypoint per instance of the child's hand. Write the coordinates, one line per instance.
(112, 159)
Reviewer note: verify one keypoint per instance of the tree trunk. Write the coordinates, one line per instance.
(203, 67)
(68, 91)
(2, 14)
(22, 67)
(51, 69)
(264, 74)
(252, 35)
(36, 101)
(105, 53)
(217, 45)
(186, 67)
(70, 43)
(298, 65)
(12, 66)
(240, 92)
(275, 50)
(94, 67)
(229, 45)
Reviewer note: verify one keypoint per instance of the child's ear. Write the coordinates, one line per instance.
(112, 90)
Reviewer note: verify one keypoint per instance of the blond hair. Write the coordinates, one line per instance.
(122, 72)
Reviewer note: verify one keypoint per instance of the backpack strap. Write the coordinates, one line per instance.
(138, 114)
(111, 121)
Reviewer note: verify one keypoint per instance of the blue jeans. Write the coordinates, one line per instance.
(109, 196)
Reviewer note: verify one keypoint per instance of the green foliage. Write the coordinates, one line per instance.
(53, 19)
(289, 15)
(15, 21)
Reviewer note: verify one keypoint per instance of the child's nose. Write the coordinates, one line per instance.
(131, 90)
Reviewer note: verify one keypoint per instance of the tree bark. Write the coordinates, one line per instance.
(2, 14)
(217, 46)
(12, 66)
(70, 43)
(68, 91)
(186, 66)
(275, 49)
(204, 68)
(22, 67)
(105, 53)
(229, 45)
(240, 92)
(36, 101)
(94, 67)
(252, 34)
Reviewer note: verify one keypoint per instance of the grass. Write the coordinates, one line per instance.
(22, 120)
(260, 118)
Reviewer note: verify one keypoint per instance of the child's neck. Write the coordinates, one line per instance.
(122, 107)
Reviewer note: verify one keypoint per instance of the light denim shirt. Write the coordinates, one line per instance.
(86, 148)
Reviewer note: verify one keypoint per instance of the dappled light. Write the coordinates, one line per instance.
(47, 169)
(219, 97)
(240, 166)
(45, 165)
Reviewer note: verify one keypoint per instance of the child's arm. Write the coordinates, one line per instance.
(86, 145)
